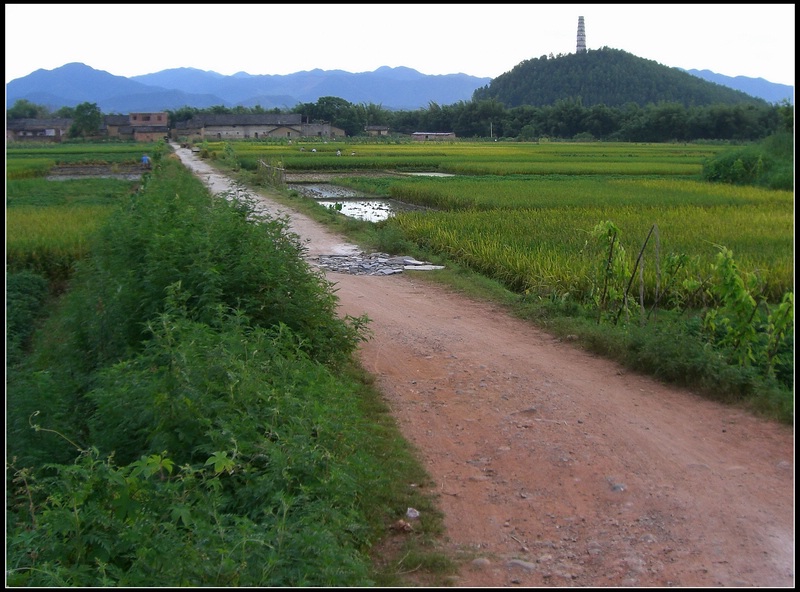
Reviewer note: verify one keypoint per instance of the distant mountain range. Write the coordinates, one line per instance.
(771, 92)
(398, 88)
(392, 88)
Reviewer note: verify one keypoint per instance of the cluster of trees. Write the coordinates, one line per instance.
(565, 119)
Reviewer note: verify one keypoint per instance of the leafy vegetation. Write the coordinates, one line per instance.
(190, 415)
(26, 295)
(87, 119)
(768, 164)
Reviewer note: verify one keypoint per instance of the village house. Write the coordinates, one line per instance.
(140, 126)
(117, 126)
(433, 136)
(149, 127)
(42, 130)
(153, 126)
(252, 126)
(377, 130)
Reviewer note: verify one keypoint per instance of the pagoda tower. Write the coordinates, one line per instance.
(581, 36)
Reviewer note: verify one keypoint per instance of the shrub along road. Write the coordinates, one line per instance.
(554, 467)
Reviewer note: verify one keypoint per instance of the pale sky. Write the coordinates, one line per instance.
(485, 40)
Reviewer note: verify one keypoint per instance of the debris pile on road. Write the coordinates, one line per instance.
(373, 264)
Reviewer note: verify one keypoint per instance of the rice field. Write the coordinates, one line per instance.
(479, 158)
(522, 213)
(531, 232)
(49, 223)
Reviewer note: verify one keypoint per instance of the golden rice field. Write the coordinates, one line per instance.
(531, 232)
(50, 240)
(523, 212)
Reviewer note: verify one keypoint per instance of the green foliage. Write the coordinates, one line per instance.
(83, 153)
(229, 154)
(87, 120)
(26, 295)
(351, 118)
(174, 231)
(786, 111)
(608, 283)
(41, 192)
(743, 325)
(25, 109)
(50, 222)
(212, 449)
(768, 164)
(739, 325)
(151, 523)
(28, 168)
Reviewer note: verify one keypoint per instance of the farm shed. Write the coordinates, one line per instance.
(433, 136)
(377, 130)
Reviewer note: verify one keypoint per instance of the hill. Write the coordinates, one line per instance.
(610, 77)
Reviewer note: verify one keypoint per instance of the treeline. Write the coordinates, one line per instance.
(566, 119)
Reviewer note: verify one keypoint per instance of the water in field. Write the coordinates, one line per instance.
(430, 174)
(350, 202)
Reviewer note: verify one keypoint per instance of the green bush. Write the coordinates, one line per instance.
(767, 164)
(221, 252)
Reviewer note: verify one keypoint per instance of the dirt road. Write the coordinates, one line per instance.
(558, 468)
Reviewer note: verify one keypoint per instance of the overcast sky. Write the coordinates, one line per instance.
(485, 40)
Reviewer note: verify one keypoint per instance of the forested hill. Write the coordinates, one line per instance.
(605, 76)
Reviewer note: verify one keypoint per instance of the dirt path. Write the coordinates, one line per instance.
(558, 468)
